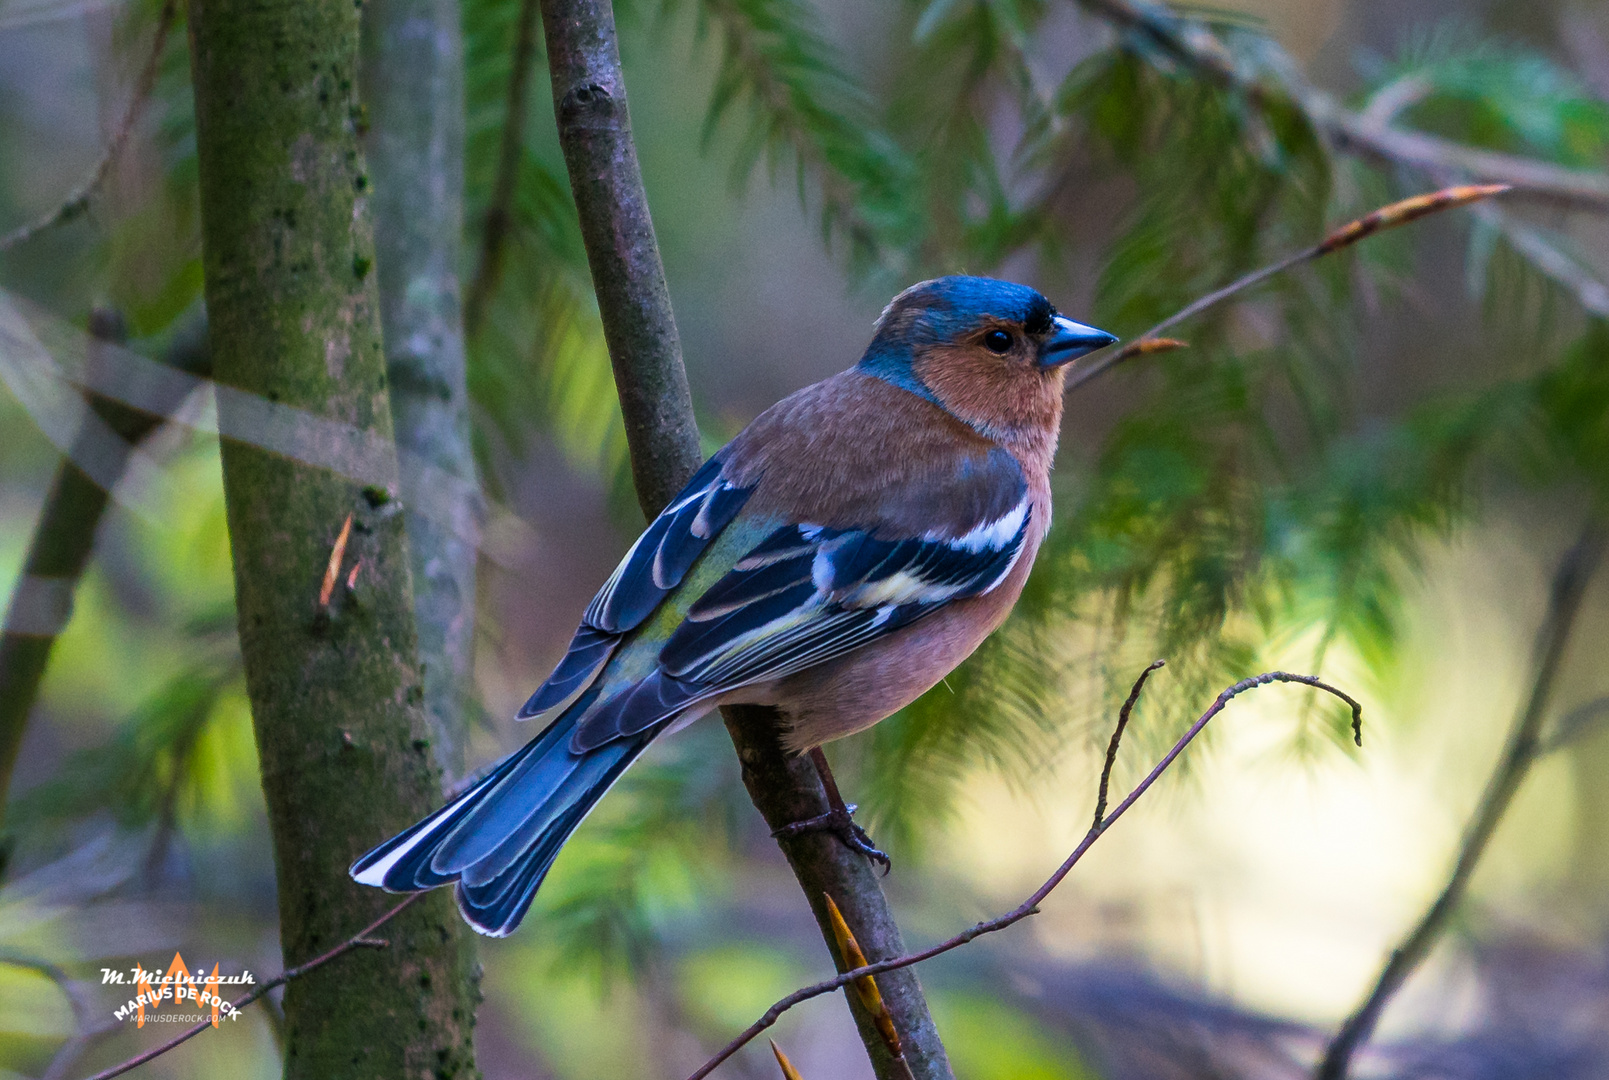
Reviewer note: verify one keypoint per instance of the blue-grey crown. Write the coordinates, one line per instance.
(944, 310)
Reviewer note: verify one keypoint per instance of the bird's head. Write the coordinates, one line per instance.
(992, 353)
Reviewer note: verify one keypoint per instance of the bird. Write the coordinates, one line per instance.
(835, 560)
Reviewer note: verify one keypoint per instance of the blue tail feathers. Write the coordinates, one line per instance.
(498, 839)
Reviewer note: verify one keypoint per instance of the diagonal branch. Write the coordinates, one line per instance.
(80, 1000)
(1387, 217)
(1363, 135)
(64, 538)
(77, 201)
(1525, 745)
(1030, 906)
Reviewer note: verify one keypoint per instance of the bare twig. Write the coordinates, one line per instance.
(82, 1004)
(500, 213)
(1387, 217)
(1030, 906)
(1577, 724)
(359, 940)
(1525, 745)
(77, 201)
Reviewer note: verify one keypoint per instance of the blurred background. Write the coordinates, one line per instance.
(1369, 469)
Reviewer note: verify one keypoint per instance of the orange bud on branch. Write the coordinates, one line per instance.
(332, 572)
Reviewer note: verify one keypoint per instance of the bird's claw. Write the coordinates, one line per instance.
(841, 823)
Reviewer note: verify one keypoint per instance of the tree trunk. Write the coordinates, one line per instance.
(413, 82)
(334, 687)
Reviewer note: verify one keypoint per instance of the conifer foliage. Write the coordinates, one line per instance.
(1269, 489)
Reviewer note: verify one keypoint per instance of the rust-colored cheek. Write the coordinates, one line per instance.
(1004, 397)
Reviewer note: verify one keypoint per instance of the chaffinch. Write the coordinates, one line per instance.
(835, 560)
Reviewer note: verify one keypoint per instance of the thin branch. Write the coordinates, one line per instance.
(359, 940)
(1525, 745)
(77, 201)
(500, 213)
(1386, 217)
(1577, 724)
(1030, 906)
(83, 1006)
(1197, 47)
(64, 535)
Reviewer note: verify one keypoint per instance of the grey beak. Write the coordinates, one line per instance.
(1070, 340)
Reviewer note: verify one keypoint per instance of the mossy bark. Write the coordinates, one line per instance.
(335, 689)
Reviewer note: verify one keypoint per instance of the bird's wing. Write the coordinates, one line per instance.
(809, 593)
(655, 565)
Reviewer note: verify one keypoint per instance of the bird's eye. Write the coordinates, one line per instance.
(997, 341)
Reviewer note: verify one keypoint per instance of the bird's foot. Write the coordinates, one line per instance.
(840, 822)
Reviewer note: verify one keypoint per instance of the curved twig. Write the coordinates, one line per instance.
(77, 201)
(1123, 715)
(82, 1004)
(1030, 906)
